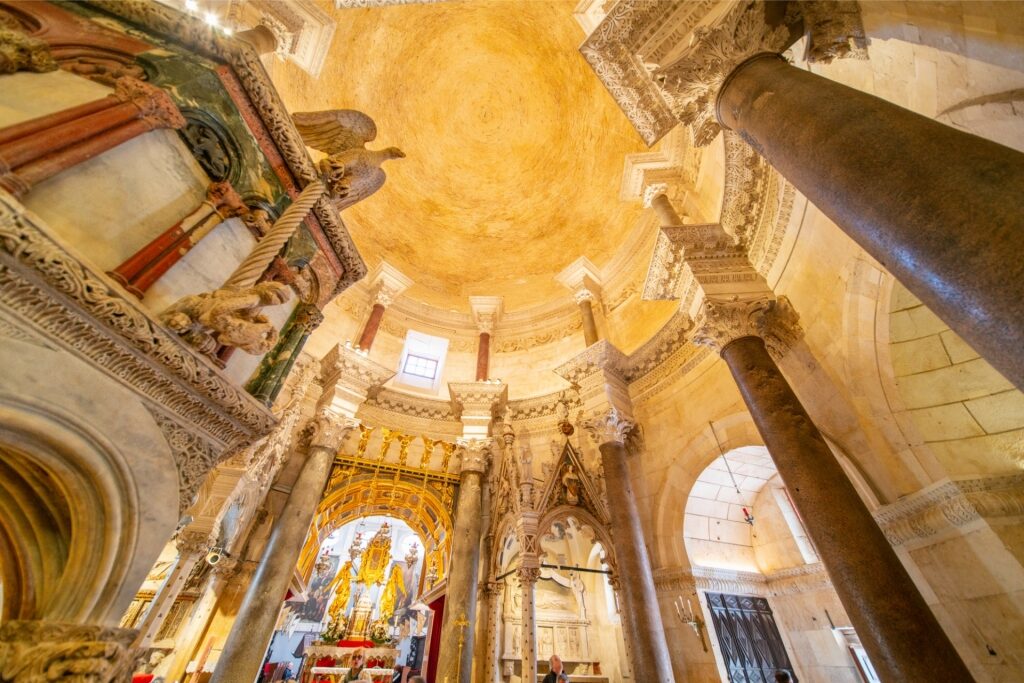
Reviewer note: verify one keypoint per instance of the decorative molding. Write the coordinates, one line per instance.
(42, 283)
(602, 357)
(474, 454)
(412, 406)
(486, 312)
(791, 581)
(949, 505)
(20, 52)
(774, 320)
(346, 367)
(477, 398)
(244, 60)
(193, 456)
(32, 651)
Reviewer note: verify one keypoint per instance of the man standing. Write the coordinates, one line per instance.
(557, 674)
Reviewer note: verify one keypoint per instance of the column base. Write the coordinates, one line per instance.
(47, 650)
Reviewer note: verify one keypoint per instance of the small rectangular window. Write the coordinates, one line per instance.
(420, 366)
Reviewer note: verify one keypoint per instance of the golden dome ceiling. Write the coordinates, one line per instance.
(514, 150)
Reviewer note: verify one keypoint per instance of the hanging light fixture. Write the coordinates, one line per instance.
(747, 516)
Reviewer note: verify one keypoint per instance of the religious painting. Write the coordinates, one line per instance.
(319, 594)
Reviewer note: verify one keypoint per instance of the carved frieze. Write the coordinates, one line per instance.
(774, 320)
(951, 505)
(194, 456)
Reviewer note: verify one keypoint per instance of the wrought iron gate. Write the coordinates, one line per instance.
(751, 645)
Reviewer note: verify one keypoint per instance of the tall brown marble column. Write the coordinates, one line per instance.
(896, 626)
(641, 618)
(371, 327)
(585, 299)
(939, 208)
(244, 649)
(456, 653)
(483, 356)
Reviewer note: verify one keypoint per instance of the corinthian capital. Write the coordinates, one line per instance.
(692, 82)
(47, 650)
(608, 426)
(774, 320)
(330, 429)
(475, 454)
(191, 542)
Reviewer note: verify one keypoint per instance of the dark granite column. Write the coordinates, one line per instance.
(455, 659)
(940, 209)
(371, 327)
(277, 364)
(483, 356)
(896, 626)
(641, 618)
(254, 625)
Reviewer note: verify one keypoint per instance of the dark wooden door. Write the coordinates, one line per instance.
(751, 645)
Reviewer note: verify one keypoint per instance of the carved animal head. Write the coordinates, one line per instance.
(394, 153)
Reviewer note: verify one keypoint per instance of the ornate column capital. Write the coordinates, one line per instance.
(387, 283)
(528, 576)
(347, 376)
(330, 429)
(47, 650)
(774, 320)
(308, 317)
(193, 542)
(475, 454)
(21, 52)
(486, 312)
(225, 200)
(156, 107)
(609, 426)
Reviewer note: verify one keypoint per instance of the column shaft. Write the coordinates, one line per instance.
(32, 126)
(460, 601)
(243, 652)
(483, 357)
(939, 208)
(28, 148)
(641, 619)
(896, 626)
(527, 583)
(494, 640)
(589, 324)
(371, 327)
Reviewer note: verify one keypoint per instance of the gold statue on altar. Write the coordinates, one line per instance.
(376, 558)
(396, 585)
(342, 585)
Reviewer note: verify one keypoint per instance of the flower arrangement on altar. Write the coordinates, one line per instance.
(380, 632)
(334, 632)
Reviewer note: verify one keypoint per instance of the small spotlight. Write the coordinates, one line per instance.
(211, 19)
(191, 5)
(227, 31)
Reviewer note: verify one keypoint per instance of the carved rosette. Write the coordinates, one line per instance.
(35, 651)
(475, 454)
(609, 426)
(774, 320)
(330, 429)
(691, 83)
(20, 52)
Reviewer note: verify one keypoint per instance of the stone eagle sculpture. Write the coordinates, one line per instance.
(352, 172)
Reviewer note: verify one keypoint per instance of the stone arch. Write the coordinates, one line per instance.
(88, 489)
(601, 533)
(505, 528)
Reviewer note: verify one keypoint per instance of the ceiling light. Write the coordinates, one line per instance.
(211, 19)
(191, 5)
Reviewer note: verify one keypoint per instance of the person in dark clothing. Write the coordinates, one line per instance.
(557, 673)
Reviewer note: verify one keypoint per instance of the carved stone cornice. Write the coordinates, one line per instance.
(477, 399)
(774, 320)
(486, 312)
(474, 454)
(609, 426)
(245, 62)
(602, 358)
(32, 651)
(346, 369)
(412, 406)
(949, 505)
(791, 581)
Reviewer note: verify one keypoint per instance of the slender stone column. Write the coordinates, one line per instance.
(35, 150)
(243, 652)
(371, 327)
(261, 38)
(585, 299)
(494, 640)
(192, 546)
(456, 654)
(896, 626)
(146, 266)
(483, 356)
(641, 619)
(938, 207)
(527, 584)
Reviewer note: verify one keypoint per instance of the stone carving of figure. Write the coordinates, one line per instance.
(352, 172)
(579, 591)
(571, 484)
